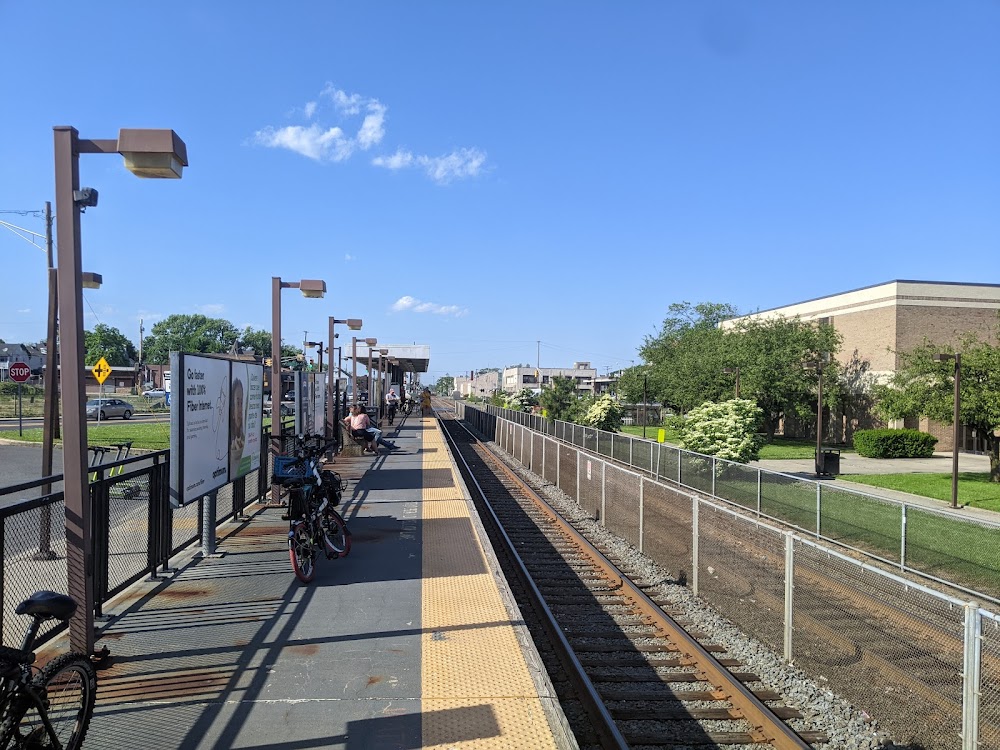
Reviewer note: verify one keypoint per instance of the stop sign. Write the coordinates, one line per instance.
(20, 372)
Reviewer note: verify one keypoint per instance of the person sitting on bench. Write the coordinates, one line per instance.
(361, 427)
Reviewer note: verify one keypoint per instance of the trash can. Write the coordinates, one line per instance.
(828, 462)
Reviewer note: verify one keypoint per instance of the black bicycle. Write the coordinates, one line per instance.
(406, 407)
(48, 708)
(314, 523)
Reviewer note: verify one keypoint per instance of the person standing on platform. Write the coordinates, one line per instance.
(425, 403)
(391, 404)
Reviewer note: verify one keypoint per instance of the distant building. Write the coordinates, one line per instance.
(30, 354)
(877, 322)
(517, 378)
(482, 385)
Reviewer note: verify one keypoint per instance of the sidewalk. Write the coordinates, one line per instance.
(852, 463)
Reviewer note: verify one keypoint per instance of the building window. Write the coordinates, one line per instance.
(528, 379)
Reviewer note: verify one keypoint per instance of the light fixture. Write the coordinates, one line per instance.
(312, 288)
(91, 280)
(152, 153)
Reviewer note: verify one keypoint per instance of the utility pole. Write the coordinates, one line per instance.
(50, 415)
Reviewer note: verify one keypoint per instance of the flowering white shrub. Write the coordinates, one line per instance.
(522, 401)
(727, 430)
(604, 414)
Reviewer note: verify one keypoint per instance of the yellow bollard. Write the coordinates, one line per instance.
(661, 435)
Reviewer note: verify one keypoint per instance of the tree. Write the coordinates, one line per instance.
(445, 385)
(686, 358)
(727, 430)
(772, 353)
(604, 414)
(923, 387)
(188, 333)
(108, 342)
(523, 400)
(559, 399)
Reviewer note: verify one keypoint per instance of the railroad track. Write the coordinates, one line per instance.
(628, 674)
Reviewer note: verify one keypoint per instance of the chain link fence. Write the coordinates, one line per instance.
(925, 664)
(913, 538)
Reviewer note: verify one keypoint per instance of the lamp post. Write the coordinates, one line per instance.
(734, 371)
(148, 153)
(310, 288)
(383, 380)
(820, 464)
(354, 364)
(332, 389)
(645, 409)
(955, 417)
(319, 353)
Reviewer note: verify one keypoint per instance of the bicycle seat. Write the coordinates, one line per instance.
(47, 604)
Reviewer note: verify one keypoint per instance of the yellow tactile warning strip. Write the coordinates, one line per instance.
(476, 689)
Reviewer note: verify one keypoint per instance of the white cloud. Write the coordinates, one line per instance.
(313, 141)
(373, 128)
(413, 304)
(464, 162)
(24, 311)
(322, 142)
(398, 160)
(348, 256)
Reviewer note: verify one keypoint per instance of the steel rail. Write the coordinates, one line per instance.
(768, 727)
(603, 723)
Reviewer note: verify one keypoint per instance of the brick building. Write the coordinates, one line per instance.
(877, 322)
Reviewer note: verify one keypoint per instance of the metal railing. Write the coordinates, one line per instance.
(924, 663)
(915, 538)
(136, 531)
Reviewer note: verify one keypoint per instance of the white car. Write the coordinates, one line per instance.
(154, 393)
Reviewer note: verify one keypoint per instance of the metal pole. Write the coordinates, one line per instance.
(331, 407)
(76, 489)
(275, 376)
(820, 463)
(371, 388)
(354, 370)
(644, 408)
(955, 418)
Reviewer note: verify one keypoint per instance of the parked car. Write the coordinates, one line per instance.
(108, 407)
(154, 393)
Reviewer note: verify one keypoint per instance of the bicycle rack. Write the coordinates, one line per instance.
(100, 451)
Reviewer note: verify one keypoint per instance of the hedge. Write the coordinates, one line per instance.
(894, 444)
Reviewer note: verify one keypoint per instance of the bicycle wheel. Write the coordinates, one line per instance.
(301, 551)
(68, 688)
(336, 537)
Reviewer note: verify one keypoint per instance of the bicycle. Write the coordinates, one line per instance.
(406, 407)
(48, 708)
(314, 524)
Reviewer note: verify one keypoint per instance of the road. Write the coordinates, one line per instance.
(35, 423)
(22, 462)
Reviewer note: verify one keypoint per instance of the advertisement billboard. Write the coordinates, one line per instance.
(215, 423)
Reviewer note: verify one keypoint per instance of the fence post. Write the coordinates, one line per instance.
(631, 449)
(713, 476)
(819, 491)
(972, 663)
(902, 541)
(759, 474)
(604, 473)
(694, 545)
(208, 524)
(578, 477)
(789, 589)
(642, 492)
(659, 452)
(558, 465)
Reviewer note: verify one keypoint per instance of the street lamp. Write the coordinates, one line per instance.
(383, 378)
(354, 364)
(954, 448)
(732, 371)
(148, 153)
(319, 353)
(333, 390)
(820, 464)
(312, 289)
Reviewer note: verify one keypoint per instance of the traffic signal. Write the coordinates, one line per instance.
(267, 362)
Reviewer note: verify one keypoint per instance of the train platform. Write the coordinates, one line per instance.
(410, 641)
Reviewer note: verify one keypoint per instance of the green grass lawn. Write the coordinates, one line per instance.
(673, 437)
(151, 436)
(974, 488)
(781, 448)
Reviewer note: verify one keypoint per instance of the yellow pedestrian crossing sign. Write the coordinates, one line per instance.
(101, 370)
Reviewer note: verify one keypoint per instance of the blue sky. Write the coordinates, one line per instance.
(479, 177)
